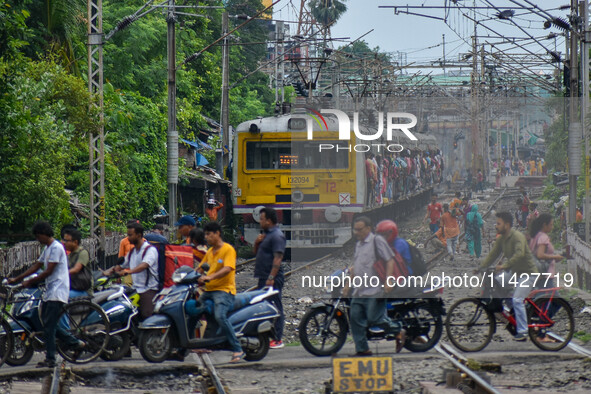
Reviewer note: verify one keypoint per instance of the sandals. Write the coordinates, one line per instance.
(400, 340)
(546, 339)
(236, 358)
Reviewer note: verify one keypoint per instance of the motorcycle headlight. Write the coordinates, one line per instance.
(177, 276)
(26, 307)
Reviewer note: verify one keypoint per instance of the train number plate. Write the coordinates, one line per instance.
(288, 181)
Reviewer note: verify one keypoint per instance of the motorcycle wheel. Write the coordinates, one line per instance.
(118, 347)
(259, 351)
(21, 351)
(423, 328)
(321, 337)
(154, 347)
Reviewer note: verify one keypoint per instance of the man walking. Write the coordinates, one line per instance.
(270, 248)
(368, 307)
(434, 211)
(519, 261)
(78, 264)
(142, 264)
(55, 264)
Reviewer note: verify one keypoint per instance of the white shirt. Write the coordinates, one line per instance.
(58, 283)
(150, 257)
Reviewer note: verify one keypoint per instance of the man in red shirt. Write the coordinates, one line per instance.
(434, 211)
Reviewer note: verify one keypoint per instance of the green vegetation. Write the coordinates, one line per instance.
(583, 336)
(46, 115)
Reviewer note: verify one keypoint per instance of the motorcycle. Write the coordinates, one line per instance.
(323, 329)
(120, 303)
(81, 318)
(177, 314)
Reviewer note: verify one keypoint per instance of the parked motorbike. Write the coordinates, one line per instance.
(323, 329)
(177, 316)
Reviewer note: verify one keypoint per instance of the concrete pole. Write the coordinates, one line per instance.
(585, 111)
(172, 139)
(225, 105)
(574, 134)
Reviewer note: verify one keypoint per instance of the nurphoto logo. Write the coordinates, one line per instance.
(392, 123)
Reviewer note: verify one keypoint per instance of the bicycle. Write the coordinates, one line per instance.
(22, 307)
(471, 322)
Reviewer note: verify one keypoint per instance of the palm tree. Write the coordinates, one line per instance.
(326, 12)
(59, 22)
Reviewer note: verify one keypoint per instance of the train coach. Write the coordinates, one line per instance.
(315, 181)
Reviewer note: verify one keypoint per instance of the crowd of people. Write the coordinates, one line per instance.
(534, 166)
(393, 175)
(65, 267)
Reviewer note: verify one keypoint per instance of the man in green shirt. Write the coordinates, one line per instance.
(78, 264)
(519, 261)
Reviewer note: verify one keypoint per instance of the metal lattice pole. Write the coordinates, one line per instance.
(96, 146)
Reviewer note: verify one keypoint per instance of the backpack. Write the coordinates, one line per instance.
(170, 257)
(400, 268)
(417, 263)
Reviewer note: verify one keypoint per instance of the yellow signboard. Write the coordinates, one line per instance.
(362, 374)
(289, 181)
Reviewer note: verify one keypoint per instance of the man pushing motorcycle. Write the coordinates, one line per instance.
(368, 306)
(220, 283)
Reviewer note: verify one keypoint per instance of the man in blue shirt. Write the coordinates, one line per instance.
(270, 248)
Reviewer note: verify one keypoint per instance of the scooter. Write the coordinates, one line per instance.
(120, 303)
(177, 316)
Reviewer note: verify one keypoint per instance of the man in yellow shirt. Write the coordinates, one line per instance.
(220, 283)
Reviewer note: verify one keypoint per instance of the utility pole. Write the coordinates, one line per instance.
(443, 37)
(172, 139)
(574, 134)
(96, 146)
(475, 106)
(225, 110)
(585, 111)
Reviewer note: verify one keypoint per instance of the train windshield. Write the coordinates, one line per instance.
(278, 155)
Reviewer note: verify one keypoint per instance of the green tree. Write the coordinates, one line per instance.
(326, 12)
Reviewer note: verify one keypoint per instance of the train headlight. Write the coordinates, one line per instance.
(333, 214)
(297, 196)
(256, 213)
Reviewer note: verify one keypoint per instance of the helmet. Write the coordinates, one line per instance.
(388, 226)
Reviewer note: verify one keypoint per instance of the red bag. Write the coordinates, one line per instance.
(176, 256)
(380, 266)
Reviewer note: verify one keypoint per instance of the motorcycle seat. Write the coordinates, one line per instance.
(101, 297)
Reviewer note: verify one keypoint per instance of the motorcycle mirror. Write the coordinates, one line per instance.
(205, 267)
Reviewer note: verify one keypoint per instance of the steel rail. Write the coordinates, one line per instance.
(459, 361)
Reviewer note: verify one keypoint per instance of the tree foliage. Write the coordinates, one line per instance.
(45, 109)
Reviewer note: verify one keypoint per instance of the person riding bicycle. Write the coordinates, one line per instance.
(519, 261)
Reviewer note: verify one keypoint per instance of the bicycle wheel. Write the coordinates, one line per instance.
(321, 335)
(86, 322)
(551, 327)
(469, 325)
(6, 340)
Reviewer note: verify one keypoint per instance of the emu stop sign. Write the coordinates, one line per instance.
(362, 374)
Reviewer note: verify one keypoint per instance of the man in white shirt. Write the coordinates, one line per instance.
(55, 264)
(142, 263)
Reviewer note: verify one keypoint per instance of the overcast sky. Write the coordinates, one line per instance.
(421, 37)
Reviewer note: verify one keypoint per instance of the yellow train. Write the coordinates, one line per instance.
(316, 185)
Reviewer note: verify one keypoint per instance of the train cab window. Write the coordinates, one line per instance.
(268, 155)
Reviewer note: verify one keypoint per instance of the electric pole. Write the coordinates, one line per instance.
(172, 139)
(225, 110)
(574, 133)
(585, 111)
(96, 145)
